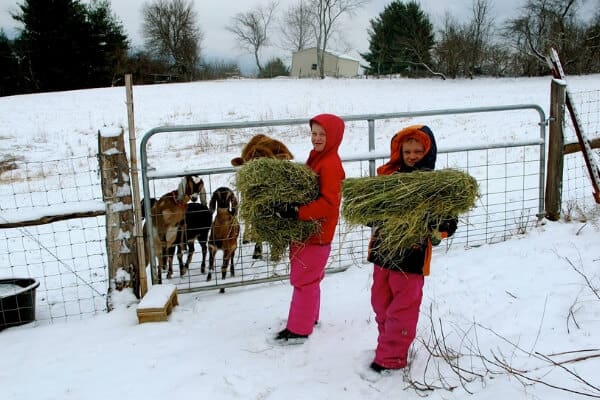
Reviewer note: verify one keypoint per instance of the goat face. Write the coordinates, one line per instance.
(190, 187)
(222, 198)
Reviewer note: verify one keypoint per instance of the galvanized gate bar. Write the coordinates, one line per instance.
(371, 156)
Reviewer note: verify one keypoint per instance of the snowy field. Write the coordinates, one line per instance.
(529, 305)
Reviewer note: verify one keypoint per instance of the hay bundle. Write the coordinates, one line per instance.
(265, 183)
(405, 206)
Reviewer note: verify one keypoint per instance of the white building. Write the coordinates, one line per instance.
(304, 65)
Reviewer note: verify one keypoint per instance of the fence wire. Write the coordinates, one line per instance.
(578, 202)
(69, 258)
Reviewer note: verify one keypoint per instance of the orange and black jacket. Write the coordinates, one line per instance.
(416, 259)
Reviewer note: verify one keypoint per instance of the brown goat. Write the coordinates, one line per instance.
(260, 146)
(167, 213)
(224, 231)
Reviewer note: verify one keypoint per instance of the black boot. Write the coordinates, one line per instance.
(378, 368)
(288, 337)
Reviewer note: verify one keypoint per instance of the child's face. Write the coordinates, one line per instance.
(318, 137)
(412, 152)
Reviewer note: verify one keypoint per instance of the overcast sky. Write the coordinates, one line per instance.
(219, 44)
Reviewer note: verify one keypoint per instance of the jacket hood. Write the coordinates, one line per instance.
(334, 129)
(423, 134)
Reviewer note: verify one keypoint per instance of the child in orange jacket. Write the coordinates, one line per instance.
(398, 279)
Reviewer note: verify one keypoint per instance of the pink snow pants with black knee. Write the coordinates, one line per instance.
(396, 298)
(307, 271)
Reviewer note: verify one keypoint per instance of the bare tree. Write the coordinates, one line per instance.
(468, 49)
(251, 29)
(326, 15)
(171, 31)
(480, 32)
(544, 24)
(296, 28)
(449, 50)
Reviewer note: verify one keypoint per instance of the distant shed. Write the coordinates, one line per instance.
(304, 65)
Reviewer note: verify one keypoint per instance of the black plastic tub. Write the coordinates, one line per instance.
(17, 301)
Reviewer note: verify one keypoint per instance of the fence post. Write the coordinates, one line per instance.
(116, 193)
(139, 234)
(554, 177)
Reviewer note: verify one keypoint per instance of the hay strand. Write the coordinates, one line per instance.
(406, 205)
(265, 183)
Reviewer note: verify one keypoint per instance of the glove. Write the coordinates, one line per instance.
(448, 225)
(286, 211)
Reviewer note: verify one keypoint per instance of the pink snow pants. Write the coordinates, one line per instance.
(307, 271)
(396, 298)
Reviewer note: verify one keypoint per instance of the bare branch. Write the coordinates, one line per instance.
(251, 29)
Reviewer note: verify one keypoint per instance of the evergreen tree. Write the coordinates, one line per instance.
(9, 67)
(67, 45)
(275, 67)
(110, 44)
(400, 40)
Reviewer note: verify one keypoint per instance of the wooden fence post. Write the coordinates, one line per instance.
(554, 177)
(116, 193)
(139, 234)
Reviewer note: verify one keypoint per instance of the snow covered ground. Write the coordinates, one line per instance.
(528, 305)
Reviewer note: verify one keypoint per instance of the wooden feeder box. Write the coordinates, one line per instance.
(157, 304)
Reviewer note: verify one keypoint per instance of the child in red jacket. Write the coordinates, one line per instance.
(308, 259)
(398, 279)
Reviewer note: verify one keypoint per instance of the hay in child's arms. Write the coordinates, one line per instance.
(265, 183)
(406, 205)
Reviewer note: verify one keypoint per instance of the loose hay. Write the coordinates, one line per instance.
(406, 205)
(263, 184)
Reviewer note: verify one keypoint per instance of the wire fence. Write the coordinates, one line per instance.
(509, 181)
(577, 200)
(510, 172)
(68, 257)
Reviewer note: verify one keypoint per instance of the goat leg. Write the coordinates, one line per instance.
(190, 252)
(211, 261)
(204, 251)
(183, 267)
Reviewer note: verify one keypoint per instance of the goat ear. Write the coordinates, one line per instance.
(236, 162)
(234, 203)
(212, 204)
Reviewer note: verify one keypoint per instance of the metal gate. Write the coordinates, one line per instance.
(510, 174)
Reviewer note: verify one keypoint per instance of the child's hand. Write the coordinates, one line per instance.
(449, 226)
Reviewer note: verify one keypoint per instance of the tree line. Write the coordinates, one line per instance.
(66, 44)
(403, 41)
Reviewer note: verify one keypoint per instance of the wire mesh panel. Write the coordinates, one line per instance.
(67, 257)
(510, 175)
(578, 201)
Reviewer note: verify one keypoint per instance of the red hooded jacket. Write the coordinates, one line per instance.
(328, 167)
